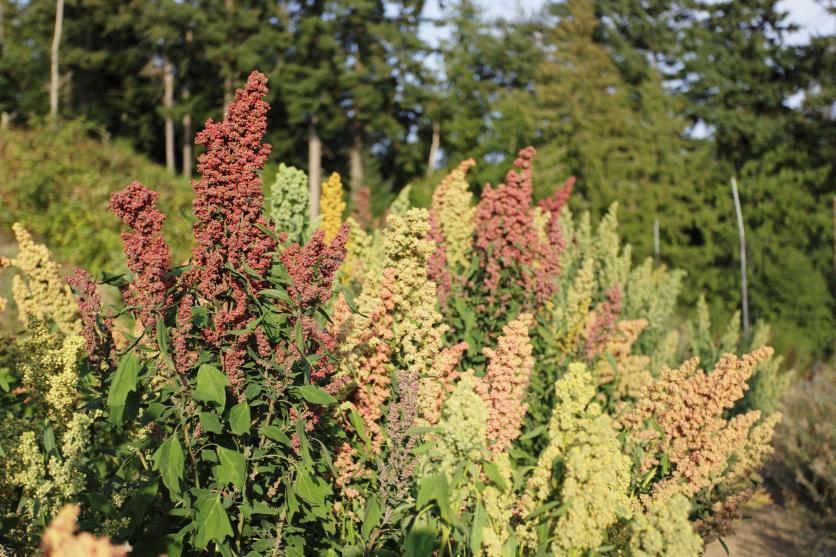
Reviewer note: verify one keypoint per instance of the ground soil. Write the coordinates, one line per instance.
(769, 531)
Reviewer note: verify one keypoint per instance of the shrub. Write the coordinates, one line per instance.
(57, 182)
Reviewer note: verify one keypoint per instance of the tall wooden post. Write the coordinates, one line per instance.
(742, 240)
(54, 76)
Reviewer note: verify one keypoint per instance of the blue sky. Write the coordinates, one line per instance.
(810, 15)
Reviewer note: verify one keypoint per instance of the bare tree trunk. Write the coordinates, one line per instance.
(5, 117)
(656, 247)
(187, 138)
(186, 121)
(434, 146)
(168, 104)
(356, 171)
(314, 167)
(742, 238)
(53, 59)
(229, 93)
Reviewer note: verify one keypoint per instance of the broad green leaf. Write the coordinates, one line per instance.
(371, 518)
(210, 422)
(479, 522)
(168, 461)
(427, 491)
(276, 293)
(276, 434)
(124, 381)
(239, 418)
(492, 471)
(359, 426)
(211, 385)
(420, 542)
(49, 441)
(311, 488)
(314, 394)
(200, 316)
(232, 467)
(211, 522)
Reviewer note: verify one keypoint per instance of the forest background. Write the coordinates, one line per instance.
(654, 103)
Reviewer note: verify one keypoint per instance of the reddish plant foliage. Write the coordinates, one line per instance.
(312, 268)
(604, 323)
(184, 358)
(506, 236)
(99, 339)
(437, 262)
(555, 202)
(149, 257)
(230, 231)
(228, 198)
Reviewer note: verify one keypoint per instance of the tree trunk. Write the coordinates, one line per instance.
(187, 116)
(314, 167)
(168, 104)
(355, 160)
(434, 146)
(187, 138)
(229, 93)
(5, 117)
(656, 247)
(53, 59)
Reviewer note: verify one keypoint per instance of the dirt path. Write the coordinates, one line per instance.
(768, 532)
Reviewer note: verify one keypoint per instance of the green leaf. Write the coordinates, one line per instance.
(562, 508)
(276, 293)
(276, 434)
(420, 542)
(124, 381)
(210, 422)
(371, 518)
(299, 336)
(239, 418)
(232, 468)
(349, 300)
(162, 337)
(479, 522)
(50, 445)
(211, 522)
(314, 394)
(311, 489)
(359, 426)
(211, 385)
(168, 461)
(427, 491)
(492, 471)
(200, 316)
